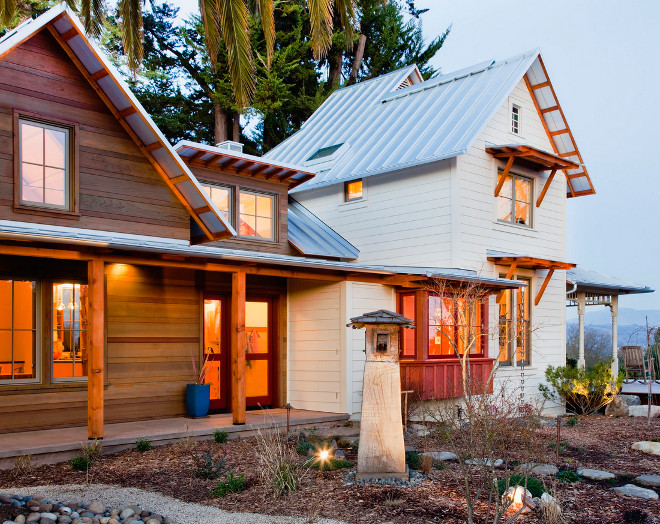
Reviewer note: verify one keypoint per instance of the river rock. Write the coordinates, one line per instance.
(47, 515)
(481, 462)
(441, 455)
(642, 411)
(19, 519)
(540, 470)
(595, 474)
(96, 508)
(620, 405)
(33, 517)
(652, 481)
(647, 447)
(128, 512)
(635, 491)
(44, 520)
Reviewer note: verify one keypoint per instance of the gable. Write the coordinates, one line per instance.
(103, 78)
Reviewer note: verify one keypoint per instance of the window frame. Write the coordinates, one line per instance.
(51, 341)
(274, 218)
(232, 199)
(513, 176)
(38, 353)
(512, 327)
(362, 196)
(72, 210)
(483, 331)
(516, 125)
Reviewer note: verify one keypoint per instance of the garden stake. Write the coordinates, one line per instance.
(558, 437)
(288, 417)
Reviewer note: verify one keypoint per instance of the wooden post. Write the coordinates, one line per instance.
(95, 346)
(238, 346)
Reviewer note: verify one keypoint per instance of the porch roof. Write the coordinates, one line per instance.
(591, 281)
(167, 246)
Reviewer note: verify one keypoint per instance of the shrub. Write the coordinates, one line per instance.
(413, 459)
(562, 445)
(143, 444)
(534, 485)
(207, 467)
(278, 465)
(330, 464)
(80, 463)
(303, 447)
(572, 421)
(231, 485)
(585, 390)
(220, 436)
(568, 476)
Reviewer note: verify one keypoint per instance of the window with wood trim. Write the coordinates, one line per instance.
(515, 325)
(408, 336)
(222, 197)
(454, 326)
(353, 191)
(45, 165)
(70, 320)
(516, 111)
(19, 355)
(514, 203)
(256, 215)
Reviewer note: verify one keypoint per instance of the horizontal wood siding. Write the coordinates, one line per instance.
(119, 189)
(314, 345)
(441, 379)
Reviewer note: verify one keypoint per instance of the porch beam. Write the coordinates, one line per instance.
(581, 301)
(95, 346)
(503, 175)
(546, 187)
(545, 285)
(614, 307)
(238, 347)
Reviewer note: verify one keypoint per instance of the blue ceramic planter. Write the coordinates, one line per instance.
(198, 397)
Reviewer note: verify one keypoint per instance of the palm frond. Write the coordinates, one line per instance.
(93, 16)
(208, 10)
(7, 12)
(265, 9)
(234, 24)
(130, 12)
(320, 15)
(347, 13)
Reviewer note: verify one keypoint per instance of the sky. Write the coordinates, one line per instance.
(601, 57)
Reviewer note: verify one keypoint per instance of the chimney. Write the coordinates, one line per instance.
(230, 145)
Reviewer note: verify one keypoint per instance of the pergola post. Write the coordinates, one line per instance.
(238, 347)
(581, 299)
(614, 307)
(95, 345)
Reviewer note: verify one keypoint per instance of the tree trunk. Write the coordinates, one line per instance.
(220, 121)
(335, 61)
(357, 61)
(236, 128)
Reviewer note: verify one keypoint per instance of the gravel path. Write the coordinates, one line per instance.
(177, 510)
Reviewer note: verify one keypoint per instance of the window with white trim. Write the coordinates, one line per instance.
(514, 203)
(514, 325)
(516, 111)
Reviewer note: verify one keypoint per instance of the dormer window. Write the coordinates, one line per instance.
(222, 198)
(353, 191)
(256, 215)
(515, 119)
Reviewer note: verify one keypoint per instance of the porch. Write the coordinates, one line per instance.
(49, 446)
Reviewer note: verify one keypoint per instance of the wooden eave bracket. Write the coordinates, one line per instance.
(503, 175)
(546, 186)
(551, 272)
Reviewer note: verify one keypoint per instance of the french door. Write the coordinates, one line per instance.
(260, 372)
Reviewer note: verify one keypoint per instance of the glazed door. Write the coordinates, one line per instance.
(259, 355)
(216, 348)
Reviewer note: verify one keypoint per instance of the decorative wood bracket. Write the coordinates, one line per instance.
(546, 187)
(503, 175)
(545, 285)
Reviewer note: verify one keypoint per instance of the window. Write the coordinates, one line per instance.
(45, 173)
(454, 324)
(515, 119)
(222, 198)
(514, 203)
(18, 330)
(408, 336)
(325, 152)
(256, 218)
(69, 331)
(353, 190)
(514, 326)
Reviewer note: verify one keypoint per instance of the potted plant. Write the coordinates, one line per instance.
(198, 395)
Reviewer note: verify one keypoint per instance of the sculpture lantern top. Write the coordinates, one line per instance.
(382, 340)
(382, 316)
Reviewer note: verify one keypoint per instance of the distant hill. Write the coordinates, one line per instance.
(629, 323)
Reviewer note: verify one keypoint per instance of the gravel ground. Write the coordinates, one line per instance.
(184, 512)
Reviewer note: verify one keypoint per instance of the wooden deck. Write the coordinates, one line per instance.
(640, 388)
(56, 445)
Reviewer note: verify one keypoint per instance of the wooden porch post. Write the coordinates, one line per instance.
(238, 346)
(95, 346)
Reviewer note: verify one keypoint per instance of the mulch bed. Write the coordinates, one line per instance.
(595, 442)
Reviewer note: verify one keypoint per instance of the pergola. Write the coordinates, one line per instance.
(589, 288)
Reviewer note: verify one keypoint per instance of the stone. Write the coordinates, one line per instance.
(45, 507)
(152, 521)
(33, 517)
(440, 455)
(96, 507)
(340, 455)
(621, 404)
(635, 491)
(50, 516)
(104, 520)
(481, 462)
(549, 505)
(5, 499)
(540, 470)
(64, 519)
(518, 496)
(88, 514)
(44, 520)
(156, 516)
(647, 447)
(652, 481)
(128, 512)
(65, 510)
(20, 519)
(642, 411)
(113, 521)
(420, 430)
(595, 474)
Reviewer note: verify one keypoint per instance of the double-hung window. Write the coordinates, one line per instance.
(44, 165)
(514, 203)
(514, 326)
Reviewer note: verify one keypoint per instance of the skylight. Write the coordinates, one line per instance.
(325, 151)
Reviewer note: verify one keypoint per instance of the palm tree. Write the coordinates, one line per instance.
(224, 21)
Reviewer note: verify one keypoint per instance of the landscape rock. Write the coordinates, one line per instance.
(340, 455)
(642, 411)
(96, 508)
(420, 430)
(540, 470)
(33, 517)
(652, 481)
(50, 516)
(595, 474)
(487, 462)
(620, 405)
(128, 512)
(441, 455)
(647, 447)
(635, 491)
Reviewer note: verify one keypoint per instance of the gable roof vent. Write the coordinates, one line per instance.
(230, 145)
(410, 80)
